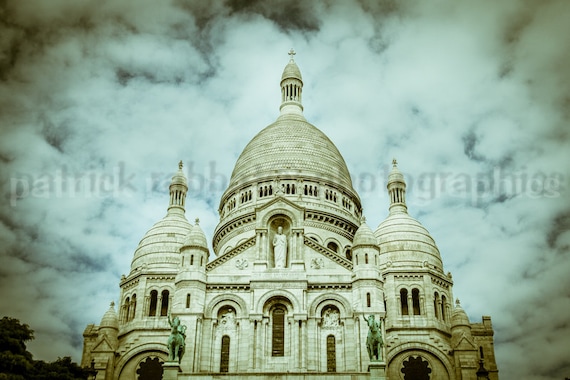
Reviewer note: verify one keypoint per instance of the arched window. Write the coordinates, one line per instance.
(348, 254)
(435, 307)
(366, 258)
(331, 354)
(332, 246)
(443, 300)
(368, 302)
(153, 303)
(225, 354)
(164, 303)
(127, 309)
(191, 259)
(278, 330)
(416, 301)
(133, 307)
(187, 300)
(404, 301)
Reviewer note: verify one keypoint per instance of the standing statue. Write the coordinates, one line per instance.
(374, 342)
(280, 248)
(176, 341)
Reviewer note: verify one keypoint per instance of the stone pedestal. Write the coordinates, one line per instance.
(171, 370)
(377, 370)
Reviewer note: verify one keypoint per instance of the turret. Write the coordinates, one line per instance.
(291, 88)
(109, 325)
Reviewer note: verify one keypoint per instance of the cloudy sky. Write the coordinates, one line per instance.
(99, 100)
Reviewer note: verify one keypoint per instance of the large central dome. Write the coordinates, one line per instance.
(289, 160)
(293, 146)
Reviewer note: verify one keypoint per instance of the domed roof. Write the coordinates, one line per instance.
(400, 232)
(291, 145)
(458, 316)
(364, 236)
(179, 178)
(196, 237)
(161, 244)
(110, 318)
(291, 71)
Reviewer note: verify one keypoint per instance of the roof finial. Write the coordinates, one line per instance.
(394, 163)
(292, 53)
(362, 219)
(180, 165)
(197, 220)
(457, 302)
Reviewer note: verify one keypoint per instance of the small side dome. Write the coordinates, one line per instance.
(160, 246)
(399, 233)
(364, 236)
(195, 238)
(459, 317)
(110, 318)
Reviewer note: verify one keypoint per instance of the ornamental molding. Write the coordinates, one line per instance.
(231, 254)
(328, 253)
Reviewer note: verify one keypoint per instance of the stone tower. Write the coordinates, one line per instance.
(296, 276)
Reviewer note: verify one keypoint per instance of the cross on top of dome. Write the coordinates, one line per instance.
(292, 53)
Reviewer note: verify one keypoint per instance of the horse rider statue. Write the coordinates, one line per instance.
(374, 342)
(176, 341)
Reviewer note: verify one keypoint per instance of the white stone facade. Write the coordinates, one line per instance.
(296, 273)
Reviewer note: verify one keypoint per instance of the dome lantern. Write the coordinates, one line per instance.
(291, 88)
(178, 189)
(397, 190)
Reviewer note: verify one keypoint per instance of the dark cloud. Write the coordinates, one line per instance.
(100, 100)
(290, 16)
(560, 225)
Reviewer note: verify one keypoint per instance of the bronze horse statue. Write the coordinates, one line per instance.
(374, 341)
(176, 341)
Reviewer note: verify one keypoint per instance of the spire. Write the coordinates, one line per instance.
(178, 189)
(397, 190)
(291, 87)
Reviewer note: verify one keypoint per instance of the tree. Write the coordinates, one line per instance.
(16, 362)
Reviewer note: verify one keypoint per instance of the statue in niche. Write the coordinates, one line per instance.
(331, 318)
(280, 248)
(228, 319)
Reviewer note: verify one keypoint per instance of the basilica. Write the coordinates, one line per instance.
(297, 277)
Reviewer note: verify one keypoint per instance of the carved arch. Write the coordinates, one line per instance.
(211, 311)
(316, 307)
(279, 293)
(158, 349)
(397, 355)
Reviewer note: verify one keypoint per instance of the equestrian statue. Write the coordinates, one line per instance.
(176, 341)
(374, 340)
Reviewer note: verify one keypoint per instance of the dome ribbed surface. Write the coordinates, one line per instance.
(395, 175)
(459, 317)
(364, 236)
(195, 238)
(291, 145)
(401, 232)
(162, 242)
(110, 318)
(291, 71)
(179, 178)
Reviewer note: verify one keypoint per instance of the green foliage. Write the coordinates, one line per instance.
(16, 363)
